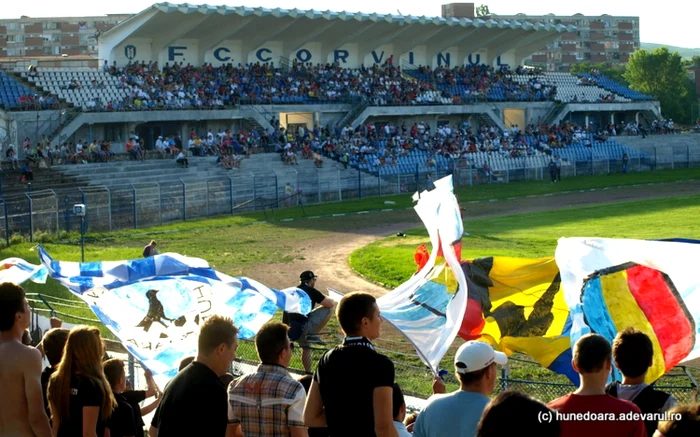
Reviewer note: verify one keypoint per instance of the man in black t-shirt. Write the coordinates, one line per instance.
(195, 402)
(352, 389)
(304, 329)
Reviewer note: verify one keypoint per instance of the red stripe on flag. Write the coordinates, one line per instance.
(664, 309)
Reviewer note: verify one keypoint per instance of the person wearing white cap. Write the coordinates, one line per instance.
(458, 413)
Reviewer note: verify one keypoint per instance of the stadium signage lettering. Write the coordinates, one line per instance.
(263, 54)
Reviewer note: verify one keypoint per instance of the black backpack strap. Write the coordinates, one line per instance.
(611, 389)
(651, 400)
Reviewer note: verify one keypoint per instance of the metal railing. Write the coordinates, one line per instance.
(415, 379)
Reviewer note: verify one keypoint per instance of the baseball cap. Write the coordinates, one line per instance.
(307, 276)
(476, 355)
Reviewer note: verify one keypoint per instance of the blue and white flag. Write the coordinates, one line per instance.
(155, 305)
(18, 271)
(428, 308)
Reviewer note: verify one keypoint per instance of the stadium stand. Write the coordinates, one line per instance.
(614, 87)
(147, 87)
(15, 96)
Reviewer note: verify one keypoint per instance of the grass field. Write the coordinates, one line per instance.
(232, 243)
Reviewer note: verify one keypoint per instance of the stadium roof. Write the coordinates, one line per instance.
(166, 23)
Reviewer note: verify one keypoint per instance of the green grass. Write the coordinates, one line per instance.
(532, 235)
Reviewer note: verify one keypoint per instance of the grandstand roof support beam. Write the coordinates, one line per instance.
(292, 45)
(328, 47)
(174, 33)
(477, 41)
(451, 40)
(510, 43)
(222, 33)
(524, 51)
(117, 35)
(254, 43)
(413, 43)
(364, 48)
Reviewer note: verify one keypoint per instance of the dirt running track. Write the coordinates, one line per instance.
(328, 254)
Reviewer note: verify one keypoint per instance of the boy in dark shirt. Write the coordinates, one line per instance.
(52, 345)
(122, 422)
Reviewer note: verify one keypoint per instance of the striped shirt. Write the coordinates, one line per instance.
(266, 403)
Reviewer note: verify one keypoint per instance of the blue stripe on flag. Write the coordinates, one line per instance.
(105, 319)
(141, 268)
(83, 283)
(205, 272)
(596, 311)
(93, 269)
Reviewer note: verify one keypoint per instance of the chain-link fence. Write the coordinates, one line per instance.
(115, 207)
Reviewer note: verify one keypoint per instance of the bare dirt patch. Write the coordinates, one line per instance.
(327, 253)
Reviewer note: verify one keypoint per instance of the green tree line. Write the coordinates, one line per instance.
(659, 73)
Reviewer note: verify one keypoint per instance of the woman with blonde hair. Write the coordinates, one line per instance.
(80, 398)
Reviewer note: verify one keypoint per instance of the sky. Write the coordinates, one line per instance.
(673, 22)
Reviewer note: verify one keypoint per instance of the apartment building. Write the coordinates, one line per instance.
(56, 36)
(597, 39)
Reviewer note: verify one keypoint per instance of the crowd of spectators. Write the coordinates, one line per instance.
(180, 86)
(352, 391)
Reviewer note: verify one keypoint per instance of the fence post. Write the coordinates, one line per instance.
(318, 185)
(255, 192)
(132, 372)
(184, 201)
(67, 215)
(277, 191)
(340, 187)
(160, 204)
(85, 220)
(207, 182)
(58, 227)
(7, 226)
(230, 190)
(109, 208)
(133, 191)
(31, 219)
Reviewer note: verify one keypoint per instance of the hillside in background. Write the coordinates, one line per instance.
(684, 52)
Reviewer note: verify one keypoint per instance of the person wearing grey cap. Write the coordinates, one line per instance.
(458, 413)
(304, 329)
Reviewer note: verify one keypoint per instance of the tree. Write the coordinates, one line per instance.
(661, 74)
(482, 11)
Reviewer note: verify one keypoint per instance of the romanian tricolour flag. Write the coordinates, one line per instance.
(613, 284)
(155, 305)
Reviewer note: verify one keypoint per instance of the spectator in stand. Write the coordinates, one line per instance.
(11, 155)
(633, 353)
(304, 329)
(399, 410)
(352, 388)
(122, 422)
(52, 344)
(22, 411)
(511, 412)
(79, 395)
(458, 413)
(181, 159)
(268, 402)
(593, 362)
(687, 426)
(26, 173)
(195, 402)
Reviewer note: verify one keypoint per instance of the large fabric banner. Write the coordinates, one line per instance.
(18, 271)
(518, 305)
(613, 284)
(428, 308)
(155, 305)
